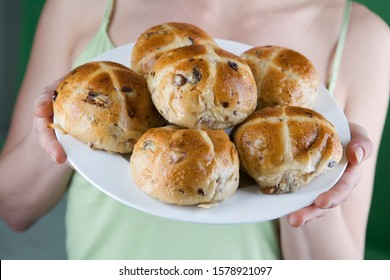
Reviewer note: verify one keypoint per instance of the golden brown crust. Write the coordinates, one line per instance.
(158, 39)
(185, 166)
(105, 105)
(283, 77)
(284, 148)
(202, 87)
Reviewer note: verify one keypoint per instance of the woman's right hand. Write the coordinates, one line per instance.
(43, 117)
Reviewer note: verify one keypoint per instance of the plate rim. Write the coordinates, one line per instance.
(208, 218)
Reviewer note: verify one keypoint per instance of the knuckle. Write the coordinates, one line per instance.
(46, 96)
(38, 103)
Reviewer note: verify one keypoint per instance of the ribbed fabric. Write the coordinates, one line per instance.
(334, 71)
(101, 42)
(99, 227)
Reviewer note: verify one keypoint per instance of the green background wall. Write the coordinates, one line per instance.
(378, 241)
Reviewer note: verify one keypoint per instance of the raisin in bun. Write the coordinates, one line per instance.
(201, 86)
(185, 166)
(284, 147)
(105, 105)
(283, 77)
(158, 39)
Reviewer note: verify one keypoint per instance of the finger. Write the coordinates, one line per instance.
(360, 147)
(341, 191)
(48, 140)
(304, 215)
(43, 106)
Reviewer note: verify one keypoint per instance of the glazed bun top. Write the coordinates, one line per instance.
(158, 39)
(283, 77)
(284, 147)
(185, 166)
(106, 105)
(201, 86)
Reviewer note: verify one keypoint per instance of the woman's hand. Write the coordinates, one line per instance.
(43, 116)
(359, 149)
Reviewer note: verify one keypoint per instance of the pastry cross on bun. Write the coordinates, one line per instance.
(106, 105)
(201, 86)
(185, 166)
(283, 148)
(158, 39)
(283, 77)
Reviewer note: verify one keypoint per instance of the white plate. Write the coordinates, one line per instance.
(110, 173)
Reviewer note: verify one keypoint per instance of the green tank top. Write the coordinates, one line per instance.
(99, 227)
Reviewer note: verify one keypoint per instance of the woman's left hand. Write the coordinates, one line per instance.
(358, 150)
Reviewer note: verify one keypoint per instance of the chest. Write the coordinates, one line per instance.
(309, 31)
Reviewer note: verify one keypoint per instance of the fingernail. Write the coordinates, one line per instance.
(359, 153)
(327, 205)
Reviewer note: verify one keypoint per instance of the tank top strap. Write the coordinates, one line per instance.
(334, 71)
(101, 42)
(107, 16)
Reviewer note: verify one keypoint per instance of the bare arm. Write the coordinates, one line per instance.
(30, 183)
(364, 75)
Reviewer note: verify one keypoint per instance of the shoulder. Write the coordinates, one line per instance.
(61, 12)
(73, 8)
(64, 25)
(361, 12)
(368, 29)
(70, 18)
(367, 46)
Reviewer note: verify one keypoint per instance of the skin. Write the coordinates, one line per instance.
(307, 26)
